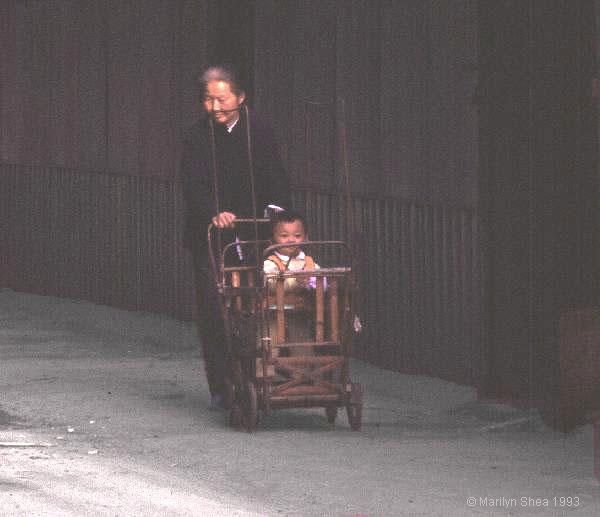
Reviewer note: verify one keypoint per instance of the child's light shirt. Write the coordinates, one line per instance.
(297, 263)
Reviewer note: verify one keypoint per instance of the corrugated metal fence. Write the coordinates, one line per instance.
(420, 281)
(106, 238)
(114, 240)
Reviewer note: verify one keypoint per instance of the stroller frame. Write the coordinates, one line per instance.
(262, 373)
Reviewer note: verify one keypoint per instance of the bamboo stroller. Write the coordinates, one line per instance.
(272, 362)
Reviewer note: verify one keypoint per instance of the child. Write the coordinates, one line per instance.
(290, 228)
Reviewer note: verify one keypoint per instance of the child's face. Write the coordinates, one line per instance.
(289, 233)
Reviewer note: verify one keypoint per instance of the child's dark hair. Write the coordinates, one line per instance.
(287, 216)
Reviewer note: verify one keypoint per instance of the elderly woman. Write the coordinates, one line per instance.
(230, 168)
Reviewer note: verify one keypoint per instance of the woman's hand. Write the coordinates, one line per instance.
(224, 220)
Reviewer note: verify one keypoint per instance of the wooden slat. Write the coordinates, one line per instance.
(303, 391)
(304, 399)
(235, 282)
(320, 311)
(289, 344)
(304, 361)
(334, 310)
(279, 301)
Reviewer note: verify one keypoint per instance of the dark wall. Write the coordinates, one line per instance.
(398, 77)
(230, 39)
(109, 85)
(100, 85)
(538, 142)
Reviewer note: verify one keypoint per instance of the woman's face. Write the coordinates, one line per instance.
(222, 103)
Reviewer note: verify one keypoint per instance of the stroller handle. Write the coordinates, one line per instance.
(212, 228)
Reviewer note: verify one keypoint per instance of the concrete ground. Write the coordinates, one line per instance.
(104, 412)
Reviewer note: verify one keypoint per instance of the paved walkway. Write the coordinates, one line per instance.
(104, 412)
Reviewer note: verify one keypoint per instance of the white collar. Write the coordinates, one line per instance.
(301, 256)
(233, 124)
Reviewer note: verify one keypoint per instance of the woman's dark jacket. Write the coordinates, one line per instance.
(271, 184)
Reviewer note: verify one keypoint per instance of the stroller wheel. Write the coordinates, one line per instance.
(354, 406)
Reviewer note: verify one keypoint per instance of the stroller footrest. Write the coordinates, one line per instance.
(306, 344)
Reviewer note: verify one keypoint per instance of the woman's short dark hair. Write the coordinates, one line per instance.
(225, 73)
